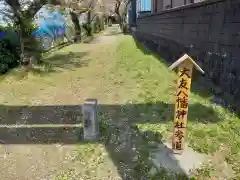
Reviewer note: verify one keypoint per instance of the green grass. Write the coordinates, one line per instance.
(68, 175)
(210, 127)
(89, 156)
(132, 84)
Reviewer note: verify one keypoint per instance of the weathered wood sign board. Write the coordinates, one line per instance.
(185, 66)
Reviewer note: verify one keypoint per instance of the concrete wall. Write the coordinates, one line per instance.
(157, 5)
(177, 3)
(153, 6)
(163, 4)
(211, 28)
(166, 3)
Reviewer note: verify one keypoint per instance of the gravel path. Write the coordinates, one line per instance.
(75, 74)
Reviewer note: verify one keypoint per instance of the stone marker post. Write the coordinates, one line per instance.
(90, 120)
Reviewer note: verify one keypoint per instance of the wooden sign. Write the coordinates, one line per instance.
(185, 66)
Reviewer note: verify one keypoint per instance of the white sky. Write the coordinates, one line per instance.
(2, 6)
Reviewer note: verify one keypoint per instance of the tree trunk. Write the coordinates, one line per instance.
(124, 21)
(29, 45)
(21, 44)
(77, 26)
(120, 20)
(89, 23)
(24, 57)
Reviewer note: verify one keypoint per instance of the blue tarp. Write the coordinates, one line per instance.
(52, 25)
(2, 34)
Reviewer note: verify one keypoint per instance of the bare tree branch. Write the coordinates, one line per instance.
(118, 4)
(28, 8)
(38, 4)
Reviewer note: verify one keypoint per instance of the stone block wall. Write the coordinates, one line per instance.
(209, 31)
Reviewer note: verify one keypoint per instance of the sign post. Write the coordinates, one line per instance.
(185, 66)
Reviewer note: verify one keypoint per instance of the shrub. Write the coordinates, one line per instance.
(7, 59)
(10, 47)
(11, 41)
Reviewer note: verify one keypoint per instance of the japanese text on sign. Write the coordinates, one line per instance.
(181, 107)
(185, 66)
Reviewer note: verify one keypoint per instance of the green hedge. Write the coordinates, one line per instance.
(7, 58)
(9, 49)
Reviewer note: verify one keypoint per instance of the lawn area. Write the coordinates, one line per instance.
(211, 129)
(135, 91)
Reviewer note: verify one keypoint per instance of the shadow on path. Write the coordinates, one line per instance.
(128, 146)
(54, 64)
(61, 61)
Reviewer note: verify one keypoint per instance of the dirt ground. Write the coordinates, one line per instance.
(45, 96)
(135, 92)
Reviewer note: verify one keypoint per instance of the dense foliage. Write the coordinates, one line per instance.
(7, 59)
(10, 46)
(9, 49)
